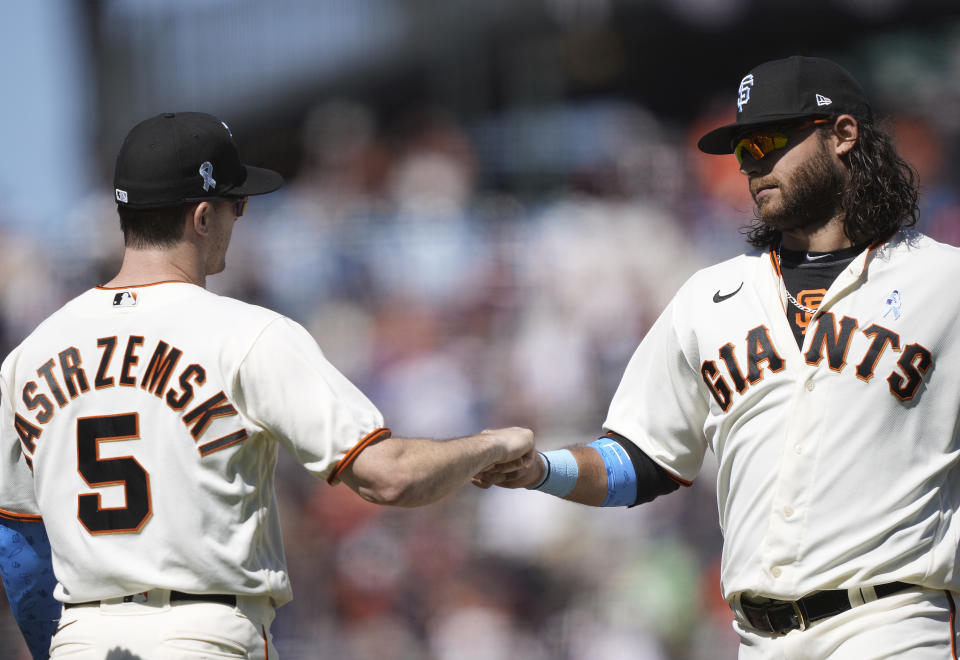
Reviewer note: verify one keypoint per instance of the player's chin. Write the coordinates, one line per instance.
(767, 210)
(217, 268)
(771, 216)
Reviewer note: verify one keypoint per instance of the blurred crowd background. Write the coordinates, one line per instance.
(488, 204)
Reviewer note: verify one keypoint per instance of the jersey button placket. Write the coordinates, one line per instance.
(787, 522)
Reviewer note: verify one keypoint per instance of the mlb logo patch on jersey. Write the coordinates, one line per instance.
(125, 299)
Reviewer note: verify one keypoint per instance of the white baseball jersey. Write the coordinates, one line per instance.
(151, 417)
(838, 461)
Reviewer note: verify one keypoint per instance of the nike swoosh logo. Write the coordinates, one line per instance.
(718, 298)
(810, 257)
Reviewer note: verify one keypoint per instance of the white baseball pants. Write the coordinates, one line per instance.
(158, 629)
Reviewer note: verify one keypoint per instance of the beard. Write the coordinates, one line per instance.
(811, 198)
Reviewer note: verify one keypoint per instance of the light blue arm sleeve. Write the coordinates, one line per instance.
(621, 473)
(27, 572)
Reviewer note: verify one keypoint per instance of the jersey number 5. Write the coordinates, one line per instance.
(123, 471)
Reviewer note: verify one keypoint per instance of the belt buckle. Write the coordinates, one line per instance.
(800, 614)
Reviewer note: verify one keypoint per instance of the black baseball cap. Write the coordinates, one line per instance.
(779, 91)
(181, 157)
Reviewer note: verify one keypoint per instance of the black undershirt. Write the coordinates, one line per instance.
(807, 276)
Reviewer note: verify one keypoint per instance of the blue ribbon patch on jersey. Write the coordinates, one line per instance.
(892, 305)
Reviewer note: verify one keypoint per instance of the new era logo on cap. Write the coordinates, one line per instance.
(823, 100)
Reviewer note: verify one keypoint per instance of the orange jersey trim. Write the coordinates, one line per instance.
(872, 250)
(140, 286)
(371, 438)
(23, 517)
(776, 262)
(682, 482)
(883, 239)
(953, 625)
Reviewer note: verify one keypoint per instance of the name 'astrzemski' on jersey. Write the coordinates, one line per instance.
(832, 340)
(63, 378)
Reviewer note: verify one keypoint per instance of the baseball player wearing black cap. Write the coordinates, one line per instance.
(820, 369)
(142, 422)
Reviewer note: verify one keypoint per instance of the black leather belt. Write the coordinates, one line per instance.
(782, 616)
(227, 599)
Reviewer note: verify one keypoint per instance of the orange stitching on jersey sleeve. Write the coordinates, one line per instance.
(369, 439)
(682, 482)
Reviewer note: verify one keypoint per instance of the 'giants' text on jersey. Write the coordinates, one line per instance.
(831, 340)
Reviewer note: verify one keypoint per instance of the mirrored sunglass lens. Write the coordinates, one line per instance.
(738, 151)
(750, 146)
(760, 145)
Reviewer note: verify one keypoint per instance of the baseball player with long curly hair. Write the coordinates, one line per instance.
(820, 369)
(141, 424)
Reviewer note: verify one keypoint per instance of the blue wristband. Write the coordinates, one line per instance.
(562, 472)
(621, 474)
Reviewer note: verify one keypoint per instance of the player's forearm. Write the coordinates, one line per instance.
(610, 471)
(576, 474)
(585, 480)
(412, 471)
(591, 485)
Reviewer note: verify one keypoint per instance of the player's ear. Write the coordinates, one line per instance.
(200, 218)
(846, 130)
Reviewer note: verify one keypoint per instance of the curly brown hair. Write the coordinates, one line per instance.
(881, 196)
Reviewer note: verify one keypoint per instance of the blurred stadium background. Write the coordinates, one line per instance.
(488, 203)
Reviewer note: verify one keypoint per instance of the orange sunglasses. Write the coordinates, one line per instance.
(760, 144)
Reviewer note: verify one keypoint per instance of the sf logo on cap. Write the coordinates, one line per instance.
(743, 94)
(206, 171)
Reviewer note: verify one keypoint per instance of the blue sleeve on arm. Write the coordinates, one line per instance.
(28, 579)
(621, 474)
(649, 480)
